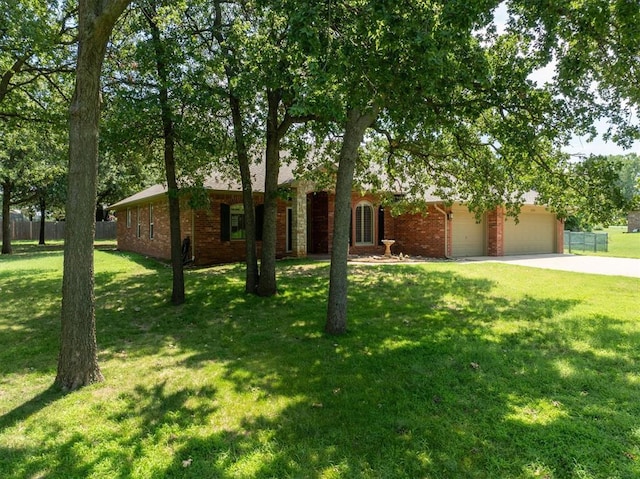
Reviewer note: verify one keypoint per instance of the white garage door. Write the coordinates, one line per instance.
(468, 236)
(534, 234)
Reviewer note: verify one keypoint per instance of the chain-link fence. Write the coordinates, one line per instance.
(581, 241)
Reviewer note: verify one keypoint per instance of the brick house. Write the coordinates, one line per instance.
(305, 224)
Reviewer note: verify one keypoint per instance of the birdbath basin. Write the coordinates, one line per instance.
(387, 243)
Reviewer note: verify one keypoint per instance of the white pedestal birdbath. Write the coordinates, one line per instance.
(387, 243)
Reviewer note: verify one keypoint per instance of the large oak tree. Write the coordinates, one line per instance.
(77, 361)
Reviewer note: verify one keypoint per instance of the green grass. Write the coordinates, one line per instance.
(621, 244)
(449, 370)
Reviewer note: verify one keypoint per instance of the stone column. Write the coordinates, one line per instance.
(299, 226)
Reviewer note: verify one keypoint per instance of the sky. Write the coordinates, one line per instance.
(579, 146)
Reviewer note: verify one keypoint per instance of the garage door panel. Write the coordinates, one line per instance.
(468, 236)
(533, 234)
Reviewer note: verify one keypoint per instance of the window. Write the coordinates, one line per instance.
(128, 217)
(150, 221)
(138, 224)
(364, 224)
(232, 222)
(238, 230)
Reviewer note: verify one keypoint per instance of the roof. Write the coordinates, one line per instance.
(217, 181)
(230, 182)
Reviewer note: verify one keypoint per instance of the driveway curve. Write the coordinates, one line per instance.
(571, 262)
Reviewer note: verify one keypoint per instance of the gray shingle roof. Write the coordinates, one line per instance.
(217, 181)
(220, 181)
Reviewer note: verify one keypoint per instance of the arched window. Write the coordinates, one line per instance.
(364, 224)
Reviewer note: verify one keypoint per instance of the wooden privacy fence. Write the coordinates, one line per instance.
(54, 230)
(581, 241)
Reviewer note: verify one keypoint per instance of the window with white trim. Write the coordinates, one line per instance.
(238, 230)
(364, 224)
(128, 217)
(138, 223)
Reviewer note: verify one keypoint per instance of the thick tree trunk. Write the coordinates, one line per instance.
(43, 211)
(6, 217)
(357, 124)
(177, 293)
(267, 283)
(78, 361)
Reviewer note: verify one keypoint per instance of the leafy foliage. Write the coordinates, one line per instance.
(595, 45)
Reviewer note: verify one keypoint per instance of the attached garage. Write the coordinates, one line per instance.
(535, 233)
(468, 236)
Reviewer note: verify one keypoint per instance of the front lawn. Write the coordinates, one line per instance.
(450, 370)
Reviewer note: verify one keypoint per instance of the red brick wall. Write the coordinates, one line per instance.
(207, 245)
(495, 232)
(202, 226)
(159, 246)
(559, 236)
(415, 234)
(209, 249)
(421, 234)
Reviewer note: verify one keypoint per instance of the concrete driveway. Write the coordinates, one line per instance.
(570, 262)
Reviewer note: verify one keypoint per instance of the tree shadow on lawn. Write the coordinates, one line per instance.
(30, 322)
(422, 386)
(150, 417)
(426, 383)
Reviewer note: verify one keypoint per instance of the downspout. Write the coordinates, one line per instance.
(446, 230)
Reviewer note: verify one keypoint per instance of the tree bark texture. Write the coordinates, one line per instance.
(357, 124)
(267, 283)
(6, 217)
(78, 361)
(251, 251)
(168, 129)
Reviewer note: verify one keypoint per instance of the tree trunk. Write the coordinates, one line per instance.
(357, 124)
(177, 293)
(267, 282)
(6, 217)
(78, 361)
(43, 211)
(100, 212)
(251, 252)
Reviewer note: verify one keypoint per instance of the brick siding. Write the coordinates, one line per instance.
(424, 234)
(495, 232)
(202, 226)
(420, 234)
